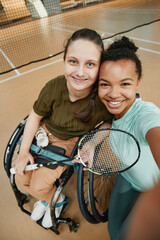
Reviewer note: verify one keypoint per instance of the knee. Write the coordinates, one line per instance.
(36, 188)
(22, 180)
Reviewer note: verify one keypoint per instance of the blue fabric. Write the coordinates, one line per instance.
(44, 203)
(122, 200)
(52, 155)
(59, 204)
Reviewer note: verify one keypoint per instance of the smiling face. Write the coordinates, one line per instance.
(118, 83)
(81, 66)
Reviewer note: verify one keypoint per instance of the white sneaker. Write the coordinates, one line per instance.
(38, 211)
(47, 221)
(58, 209)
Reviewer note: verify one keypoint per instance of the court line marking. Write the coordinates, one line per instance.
(149, 50)
(9, 61)
(32, 70)
(109, 33)
(144, 40)
(109, 40)
(67, 30)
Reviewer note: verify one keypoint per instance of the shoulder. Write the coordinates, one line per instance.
(56, 81)
(149, 109)
(53, 88)
(56, 86)
(148, 117)
(142, 109)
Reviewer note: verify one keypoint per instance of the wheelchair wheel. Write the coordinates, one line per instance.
(100, 188)
(83, 198)
(12, 149)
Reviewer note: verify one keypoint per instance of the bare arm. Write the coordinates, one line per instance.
(106, 125)
(153, 139)
(31, 127)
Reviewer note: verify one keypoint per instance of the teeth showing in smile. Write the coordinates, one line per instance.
(115, 103)
(80, 79)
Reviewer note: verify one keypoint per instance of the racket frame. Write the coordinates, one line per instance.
(108, 129)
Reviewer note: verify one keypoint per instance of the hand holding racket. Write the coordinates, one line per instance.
(108, 151)
(104, 151)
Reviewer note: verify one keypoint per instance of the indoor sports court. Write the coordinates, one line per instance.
(32, 36)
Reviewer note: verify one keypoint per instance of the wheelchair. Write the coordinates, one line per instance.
(93, 202)
(94, 193)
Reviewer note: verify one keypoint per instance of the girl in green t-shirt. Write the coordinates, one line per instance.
(65, 110)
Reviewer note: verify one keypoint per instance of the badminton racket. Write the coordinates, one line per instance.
(104, 151)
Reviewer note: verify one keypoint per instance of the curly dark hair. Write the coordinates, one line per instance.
(123, 48)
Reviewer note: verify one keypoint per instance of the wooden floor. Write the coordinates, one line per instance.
(19, 89)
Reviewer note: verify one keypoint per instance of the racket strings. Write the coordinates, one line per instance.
(108, 152)
(105, 160)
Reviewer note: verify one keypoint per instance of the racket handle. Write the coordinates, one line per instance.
(28, 168)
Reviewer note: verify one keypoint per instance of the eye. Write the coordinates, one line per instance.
(126, 84)
(90, 64)
(102, 84)
(72, 62)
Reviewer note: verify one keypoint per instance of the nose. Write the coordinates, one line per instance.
(114, 92)
(80, 70)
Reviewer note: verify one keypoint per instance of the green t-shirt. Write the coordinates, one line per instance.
(54, 104)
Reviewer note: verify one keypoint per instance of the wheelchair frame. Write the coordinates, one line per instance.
(87, 205)
(23, 198)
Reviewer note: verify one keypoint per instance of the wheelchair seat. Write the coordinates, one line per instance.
(10, 156)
